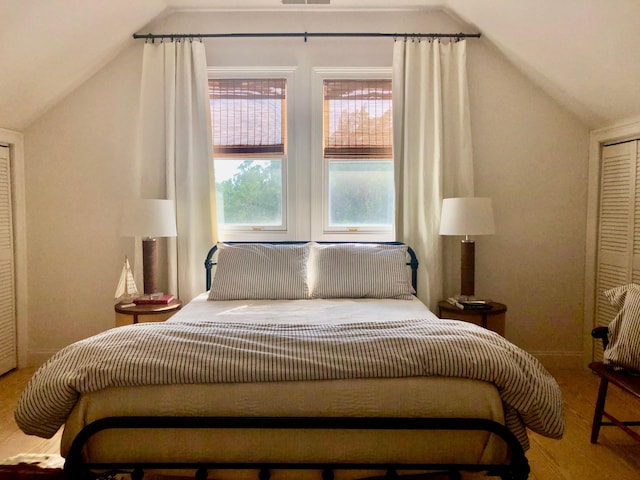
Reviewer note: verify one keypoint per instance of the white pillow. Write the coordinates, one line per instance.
(359, 271)
(623, 351)
(260, 272)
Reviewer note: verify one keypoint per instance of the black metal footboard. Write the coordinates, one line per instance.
(516, 469)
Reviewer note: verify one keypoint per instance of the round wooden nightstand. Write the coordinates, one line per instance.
(145, 313)
(492, 318)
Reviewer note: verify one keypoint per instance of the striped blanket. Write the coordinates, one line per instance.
(217, 352)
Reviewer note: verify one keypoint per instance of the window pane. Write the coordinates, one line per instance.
(360, 193)
(249, 192)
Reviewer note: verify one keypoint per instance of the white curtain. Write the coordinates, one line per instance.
(175, 154)
(432, 149)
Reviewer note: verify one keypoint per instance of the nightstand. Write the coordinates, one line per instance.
(145, 313)
(492, 318)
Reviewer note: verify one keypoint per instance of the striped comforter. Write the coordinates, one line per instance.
(220, 352)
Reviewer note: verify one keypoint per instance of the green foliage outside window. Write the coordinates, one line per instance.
(253, 195)
(360, 191)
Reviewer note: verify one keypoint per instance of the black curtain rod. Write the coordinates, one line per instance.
(305, 35)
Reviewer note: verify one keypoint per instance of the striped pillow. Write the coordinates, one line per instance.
(260, 272)
(623, 351)
(359, 271)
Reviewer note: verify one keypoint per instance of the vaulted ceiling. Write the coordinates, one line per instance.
(584, 53)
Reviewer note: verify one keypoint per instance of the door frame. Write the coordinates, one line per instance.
(15, 141)
(625, 131)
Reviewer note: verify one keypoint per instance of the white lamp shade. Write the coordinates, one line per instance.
(149, 218)
(467, 216)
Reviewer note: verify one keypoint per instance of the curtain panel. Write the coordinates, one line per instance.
(432, 151)
(175, 154)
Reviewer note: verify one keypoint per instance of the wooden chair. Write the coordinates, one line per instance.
(626, 381)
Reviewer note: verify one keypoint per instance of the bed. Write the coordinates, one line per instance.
(331, 369)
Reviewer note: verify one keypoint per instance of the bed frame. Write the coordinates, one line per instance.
(77, 468)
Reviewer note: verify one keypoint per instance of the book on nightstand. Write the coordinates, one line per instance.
(476, 304)
(469, 304)
(154, 299)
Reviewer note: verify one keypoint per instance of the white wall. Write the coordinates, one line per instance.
(77, 169)
(531, 157)
(530, 154)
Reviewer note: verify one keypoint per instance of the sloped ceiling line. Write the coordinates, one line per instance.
(581, 52)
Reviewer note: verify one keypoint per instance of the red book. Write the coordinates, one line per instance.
(154, 300)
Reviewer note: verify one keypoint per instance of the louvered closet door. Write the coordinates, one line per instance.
(619, 227)
(8, 357)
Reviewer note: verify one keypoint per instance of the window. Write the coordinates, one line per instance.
(355, 159)
(302, 155)
(357, 155)
(248, 118)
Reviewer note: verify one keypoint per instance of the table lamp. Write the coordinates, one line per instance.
(467, 216)
(149, 219)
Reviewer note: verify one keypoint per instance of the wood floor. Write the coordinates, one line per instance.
(616, 457)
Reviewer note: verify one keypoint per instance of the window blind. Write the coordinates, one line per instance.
(248, 116)
(357, 119)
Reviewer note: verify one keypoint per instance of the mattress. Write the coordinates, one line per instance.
(393, 397)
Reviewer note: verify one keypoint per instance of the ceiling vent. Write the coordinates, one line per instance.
(306, 2)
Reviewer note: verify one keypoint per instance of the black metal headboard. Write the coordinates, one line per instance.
(412, 263)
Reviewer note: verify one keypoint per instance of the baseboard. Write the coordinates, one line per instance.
(560, 360)
(35, 359)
